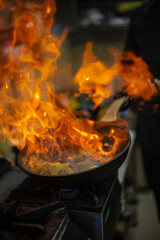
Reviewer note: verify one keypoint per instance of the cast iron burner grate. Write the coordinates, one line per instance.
(34, 211)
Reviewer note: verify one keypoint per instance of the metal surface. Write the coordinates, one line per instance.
(87, 177)
(34, 211)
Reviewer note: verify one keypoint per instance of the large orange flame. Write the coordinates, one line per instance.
(95, 78)
(32, 115)
(138, 78)
(27, 94)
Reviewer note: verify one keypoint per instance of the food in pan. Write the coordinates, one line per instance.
(48, 168)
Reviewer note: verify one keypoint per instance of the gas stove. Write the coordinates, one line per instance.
(34, 211)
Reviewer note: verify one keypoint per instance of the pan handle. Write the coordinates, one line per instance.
(112, 111)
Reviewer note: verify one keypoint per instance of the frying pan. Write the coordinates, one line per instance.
(87, 177)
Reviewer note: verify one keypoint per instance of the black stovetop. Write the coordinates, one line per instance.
(37, 211)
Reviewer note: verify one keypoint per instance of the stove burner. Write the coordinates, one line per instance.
(34, 211)
(68, 194)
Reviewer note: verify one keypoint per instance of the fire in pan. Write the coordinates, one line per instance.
(79, 167)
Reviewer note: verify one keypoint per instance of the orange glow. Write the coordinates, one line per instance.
(36, 96)
(1, 4)
(112, 131)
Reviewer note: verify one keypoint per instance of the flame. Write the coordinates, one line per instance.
(95, 78)
(138, 78)
(32, 115)
(26, 91)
